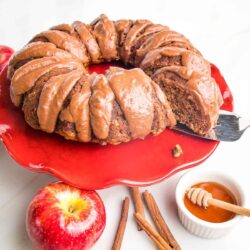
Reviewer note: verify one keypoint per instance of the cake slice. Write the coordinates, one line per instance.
(194, 97)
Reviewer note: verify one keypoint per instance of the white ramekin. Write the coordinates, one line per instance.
(195, 225)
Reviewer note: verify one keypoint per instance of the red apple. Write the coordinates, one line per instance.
(5, 54)
(62, 217)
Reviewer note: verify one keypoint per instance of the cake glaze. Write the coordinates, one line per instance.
(50, 81)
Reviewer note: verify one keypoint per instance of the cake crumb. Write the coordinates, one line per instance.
(177, 151)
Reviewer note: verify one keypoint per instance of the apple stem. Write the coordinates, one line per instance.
(71, 209)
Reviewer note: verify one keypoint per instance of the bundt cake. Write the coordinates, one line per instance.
(165, 80)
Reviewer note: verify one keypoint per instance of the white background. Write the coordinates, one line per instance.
(220, 29)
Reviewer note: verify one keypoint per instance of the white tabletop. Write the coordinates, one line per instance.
(220, 29)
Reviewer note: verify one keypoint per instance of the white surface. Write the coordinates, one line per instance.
(220, 29)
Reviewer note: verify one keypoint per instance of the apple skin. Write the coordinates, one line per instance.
(62, 217)
(5, 54)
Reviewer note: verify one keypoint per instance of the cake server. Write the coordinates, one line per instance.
(230, 127)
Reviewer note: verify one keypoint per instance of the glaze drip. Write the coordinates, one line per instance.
(133, 91)
(101, 104)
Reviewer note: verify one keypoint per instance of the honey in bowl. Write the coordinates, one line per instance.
(212, 213)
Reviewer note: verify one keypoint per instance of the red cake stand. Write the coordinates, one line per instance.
(91, 166)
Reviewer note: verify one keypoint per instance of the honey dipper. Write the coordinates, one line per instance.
(203, 198)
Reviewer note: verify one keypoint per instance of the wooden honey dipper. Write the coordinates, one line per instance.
(203, 198)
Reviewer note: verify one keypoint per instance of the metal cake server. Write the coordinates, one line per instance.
(230, 127)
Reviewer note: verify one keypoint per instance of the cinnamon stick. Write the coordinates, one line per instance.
(159, 222)
(122, 225)
(151, 232)
(138, 204)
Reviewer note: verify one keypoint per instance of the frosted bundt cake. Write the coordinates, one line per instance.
(166, 80)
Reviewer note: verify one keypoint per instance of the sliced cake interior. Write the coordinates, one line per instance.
(194, 97)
